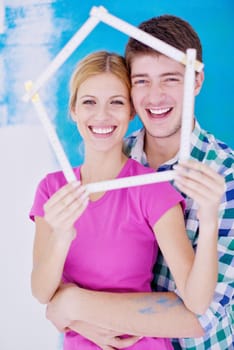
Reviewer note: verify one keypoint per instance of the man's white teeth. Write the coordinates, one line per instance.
(102, 131)
(159, 110)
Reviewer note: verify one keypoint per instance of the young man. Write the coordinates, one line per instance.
(157, 93)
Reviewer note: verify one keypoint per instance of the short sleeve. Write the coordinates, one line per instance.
(50, 184)
(40, 198)
(158, 199)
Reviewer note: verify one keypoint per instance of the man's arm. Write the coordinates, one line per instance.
(140, 314)
(219, 314)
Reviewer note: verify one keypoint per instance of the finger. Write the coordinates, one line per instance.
(75, 209)
(203, 198)
(121, 343)
(75, 202)
(192, 184)
(72, 195)
(65, 218)
(213, 185)
(62, 193)
(195, 183)
(67, 203)
(204, 169)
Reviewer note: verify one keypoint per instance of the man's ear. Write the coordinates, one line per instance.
(132, 112)
(199, 79)
(132, 115)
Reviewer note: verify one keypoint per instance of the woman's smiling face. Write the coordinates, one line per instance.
(102, 111)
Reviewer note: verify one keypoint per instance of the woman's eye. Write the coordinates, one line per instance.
(117, 102)
(88, 102)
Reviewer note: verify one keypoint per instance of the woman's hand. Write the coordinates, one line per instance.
(65, 207)
(203, 185)
(55, 310)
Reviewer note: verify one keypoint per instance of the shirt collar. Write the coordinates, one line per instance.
(137, 151)
(197, 131)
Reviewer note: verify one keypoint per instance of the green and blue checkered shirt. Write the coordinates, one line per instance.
(218, 321)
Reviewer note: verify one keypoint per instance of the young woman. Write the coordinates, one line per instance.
(109, 241)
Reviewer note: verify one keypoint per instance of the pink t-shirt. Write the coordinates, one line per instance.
(115, 247)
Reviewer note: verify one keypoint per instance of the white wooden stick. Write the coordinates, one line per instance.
(52, 136)
(130, 181)
(68, 49)
(102, 14)
(188, 105)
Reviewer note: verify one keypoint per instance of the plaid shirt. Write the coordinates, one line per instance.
(218, 321)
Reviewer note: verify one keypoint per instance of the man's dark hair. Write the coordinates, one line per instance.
(168, 28)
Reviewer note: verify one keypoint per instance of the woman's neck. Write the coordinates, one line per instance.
(100, 166)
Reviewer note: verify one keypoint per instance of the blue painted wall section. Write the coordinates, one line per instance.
(35, 31)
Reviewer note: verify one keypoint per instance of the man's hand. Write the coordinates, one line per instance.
(106, 339)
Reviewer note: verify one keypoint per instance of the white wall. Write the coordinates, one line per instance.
(25, 157)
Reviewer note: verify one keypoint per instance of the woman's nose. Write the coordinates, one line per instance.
(102, 113)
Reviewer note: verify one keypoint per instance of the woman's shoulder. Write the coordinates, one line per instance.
(55, 180)
(136, 168)
(161, 188)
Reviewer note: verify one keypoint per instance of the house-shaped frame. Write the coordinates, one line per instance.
(100, 14)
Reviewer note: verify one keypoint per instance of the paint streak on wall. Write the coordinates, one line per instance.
(26, 49)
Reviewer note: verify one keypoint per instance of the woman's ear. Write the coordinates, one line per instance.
(199, 79)
(73, 114)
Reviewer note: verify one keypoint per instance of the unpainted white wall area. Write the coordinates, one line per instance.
(25, 157)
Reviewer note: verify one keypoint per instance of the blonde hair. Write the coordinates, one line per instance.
(97, 63)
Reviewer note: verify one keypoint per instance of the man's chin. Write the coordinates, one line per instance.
(164, 135)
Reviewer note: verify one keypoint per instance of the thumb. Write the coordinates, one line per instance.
(121, 343)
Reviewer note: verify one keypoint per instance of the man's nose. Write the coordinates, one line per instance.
(156, 91)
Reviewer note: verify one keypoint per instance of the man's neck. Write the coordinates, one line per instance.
(160, 150)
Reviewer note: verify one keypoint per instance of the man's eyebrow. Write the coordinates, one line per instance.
(140, 75)
(143, 75)
(179, 74)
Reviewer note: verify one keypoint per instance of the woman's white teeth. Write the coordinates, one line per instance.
(159, 110)
(102, 131)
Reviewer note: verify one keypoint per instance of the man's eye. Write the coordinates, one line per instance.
(171, 81)
(139, 82)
